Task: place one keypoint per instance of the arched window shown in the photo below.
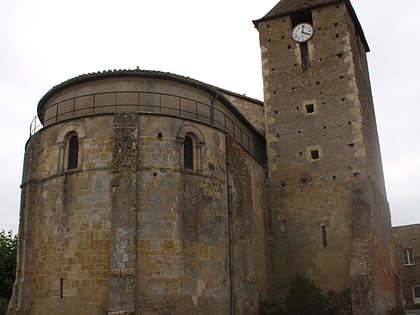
(188, 153)
(190, 145)
(70, 142)
(73, 152)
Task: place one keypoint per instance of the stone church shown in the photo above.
(152, 193)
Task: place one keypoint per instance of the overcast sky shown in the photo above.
(45, 42)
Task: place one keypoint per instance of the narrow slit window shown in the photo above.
(73, 153)
(408, 256)
(324, 236)
(61, 288)
(304, 53)
(188, 153)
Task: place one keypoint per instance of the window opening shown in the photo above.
(310, 108)
(304, 53)
(73, 152)
(188, 153)
(61, 288)
(301, 17)
(416, 294)
(324, 236)
(315, 154)
(408, 256)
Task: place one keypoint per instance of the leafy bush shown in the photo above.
(339, 304)
(305, 298)
(8, 247)
(272, 308)
(3, 306)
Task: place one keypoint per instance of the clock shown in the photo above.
(302, 32)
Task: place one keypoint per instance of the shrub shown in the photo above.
(3, 306)
(272, 308)
(8, 247)
(305, 298)
(339, 304)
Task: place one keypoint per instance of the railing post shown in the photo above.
(212, 112)
(56, 112)
(115, 101)
(94, 103)
(74, 106)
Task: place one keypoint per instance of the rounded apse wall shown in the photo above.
(129, 195)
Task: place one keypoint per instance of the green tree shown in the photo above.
(8, 248)
(305, 298)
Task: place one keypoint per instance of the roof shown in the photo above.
(286, 7)
(212, 90)
(406, 227)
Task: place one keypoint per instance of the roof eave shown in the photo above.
(352, 12)
(270, 16)
(149, 74)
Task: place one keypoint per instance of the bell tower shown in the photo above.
(327, 215)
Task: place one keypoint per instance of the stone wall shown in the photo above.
(130, 229)
(407, 239)
(322, 150)
(143, 223)
(253, 110)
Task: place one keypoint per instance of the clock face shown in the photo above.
(302, 32)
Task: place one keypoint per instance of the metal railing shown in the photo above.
(213, 114)
(35, 125)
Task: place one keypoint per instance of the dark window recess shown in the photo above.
(188, 153)
(315, 154)
(302, 16)
(61, 288)
(324, 236)
(310, 108)
(304, 53)
(73, 152)
(416, 291)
